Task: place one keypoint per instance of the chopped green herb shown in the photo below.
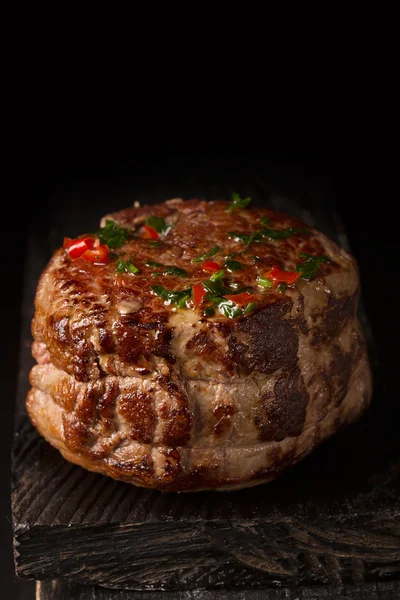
(246, 288)
(215, 287)
(308, 269)
(229, 309)
(249, 308)
(156, 274)
(159, 224)
(113, 234)
(281, 234)
(175, 271)
(282, 287)
(154, 243)
(238, 202)
(214, 250)
(124, 266)
(209, 311)
(265, 220)
(263, 282)
(246, 238)
(218, 276)
(153, 263)
(319, 258)
(167, 269)
(179, 298)
(233, 265)
(272, 234)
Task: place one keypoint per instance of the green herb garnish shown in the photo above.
(153, 263)
(265, 220)
(214, 250)
(113, 234)
(249, 308)
(218, 276)
(229, 309)
(209, 311)
(233, 265)
(272, 234)
(159, 224)
(309, 268)
(246, 238)
(281, 234)
(167, 269)
(263, 282)
(175, 271)
(125, 266)
(282, 287)
(238, 202)
(179, 298)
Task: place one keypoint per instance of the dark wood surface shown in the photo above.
(57, 590)
(332, 519)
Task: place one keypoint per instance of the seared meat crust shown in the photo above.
(136, 388)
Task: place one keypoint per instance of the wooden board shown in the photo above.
(388, 590)
(332, 519)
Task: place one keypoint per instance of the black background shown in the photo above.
(55, 155)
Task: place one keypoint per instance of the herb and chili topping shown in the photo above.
(113, 235)
(178, 298)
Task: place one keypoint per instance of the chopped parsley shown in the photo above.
(282, 287)
(153, 263)
(271, 234)
(309, 268)
(159, 225)
(178, 298)
(233, 265)
(218, 276)
(209, 311)
(265, 220)
(175, 271)
(214, 250)
(249, 308)
(125, 266)
(264, 282)
(113, 235)
(167, 269)
(238, 202)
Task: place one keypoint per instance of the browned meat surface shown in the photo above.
(144, 386)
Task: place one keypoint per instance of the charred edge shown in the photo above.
(267, 341)
(339, 312)
(283, 415)
(178, 418)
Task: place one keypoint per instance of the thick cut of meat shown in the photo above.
(137, 380)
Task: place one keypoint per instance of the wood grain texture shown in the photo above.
(58, 590)
(331, 520)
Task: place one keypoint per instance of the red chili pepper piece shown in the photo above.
(198, 293)
(243, 298)
(99, 254)
(279, 276)
(148, 233)
(211, 266)
(76, 247)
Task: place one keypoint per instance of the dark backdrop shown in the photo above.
(49, 163)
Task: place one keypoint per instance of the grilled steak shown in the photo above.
(194, 345)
